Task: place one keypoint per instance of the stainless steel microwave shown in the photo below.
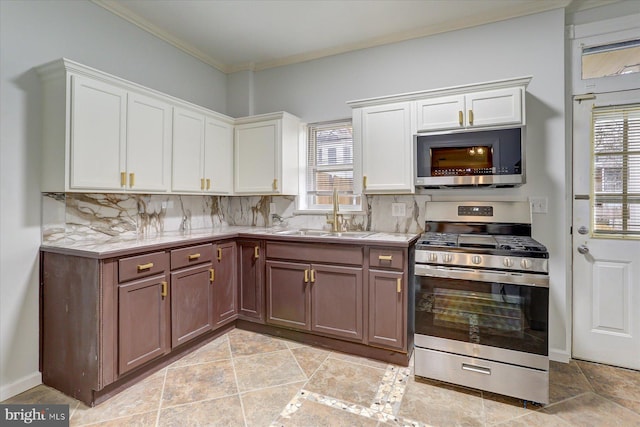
(478, 158)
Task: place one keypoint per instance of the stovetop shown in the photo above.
(507, 245)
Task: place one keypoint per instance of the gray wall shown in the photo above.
(32, 33)
(533, 45)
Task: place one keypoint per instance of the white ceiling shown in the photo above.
(234, 35)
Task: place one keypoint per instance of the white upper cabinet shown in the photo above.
(383, 135)
(489, 108)
(218, 156)
(266, 154)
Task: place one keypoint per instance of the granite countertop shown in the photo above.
(118, 246)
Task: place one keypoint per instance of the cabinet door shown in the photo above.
(336, 301)
(387, 141)
(188, 140)
(98, 132)
(143, 316)
(288, 296)
(494, 107)
(191, 294)
(386, 309)
(441, 113)
(250, 281)
(225, 292)
(257, 157)
(218, 156)
(148, 143)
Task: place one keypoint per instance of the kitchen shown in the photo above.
(504, 49)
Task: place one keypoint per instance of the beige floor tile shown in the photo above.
(591, 409)
(266, 370)
(309, 358)
(346, 381)
(263, 406)
(534, 419)
(217, 349)
(42, 394)
(244, 343)
(629, 404)
(566, 380)
(223, 412)
(147, 419)
(612, 381)
(499, 408)
(315, 414)
(359, 360)
(140, 398)
(199, 382)
(439, 404)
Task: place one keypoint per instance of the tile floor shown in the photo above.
(248, 379)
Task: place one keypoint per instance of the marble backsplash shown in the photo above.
(78, 216)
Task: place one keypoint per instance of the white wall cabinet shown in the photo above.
(202, 153)
(266, 154)
(476, 109)
(383, 136)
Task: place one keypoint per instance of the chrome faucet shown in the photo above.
(335, 219)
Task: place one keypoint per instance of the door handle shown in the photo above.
(212, 275)
(313, 276)
(583, 230)
(256, 252)
(306, 276)
(219, 254)
(583, 249)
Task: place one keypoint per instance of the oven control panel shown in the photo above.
(475, 210)
(470, 260)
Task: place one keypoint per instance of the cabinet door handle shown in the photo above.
(132, 179)
(123, 179)
(163, 292)
(460, 117)
(145, 266)
(212, 275)
(202, 183)
(385, 257)
(208, 184)
(193, 257)
(306, 276)
(219, 254)
(275, 184)
(313, 276)
(364, 182)
(256, 252)
(399, 285)
(471, 117)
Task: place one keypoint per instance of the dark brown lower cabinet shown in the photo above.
(191, 296)
(250, 280)
(225, 295)
(143, 321)
(387, 313)
(288, 294)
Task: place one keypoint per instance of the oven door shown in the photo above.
(476, 309)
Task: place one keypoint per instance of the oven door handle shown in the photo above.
(526, 279)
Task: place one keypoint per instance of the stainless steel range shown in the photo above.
(482, 299)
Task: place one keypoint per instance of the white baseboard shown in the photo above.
(23, 384)
(559, 355)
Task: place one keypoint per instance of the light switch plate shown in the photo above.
(398, 209)
(538, 204)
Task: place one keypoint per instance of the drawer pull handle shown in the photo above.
(364, 182)
(306, 276)
(313, 276)
(123, 179)
(208, 184)
(219, 254)
(399, 285)
(275, 184)
(202, 183)
(385, 257)
(193, 257)
(163, 292)
(145, 266)
(460, 118)
(471, 117)
(256, 252)
(132, 180)
(477, 369)
(212, 275)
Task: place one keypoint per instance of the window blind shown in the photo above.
(616, 171)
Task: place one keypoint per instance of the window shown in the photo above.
(611, 59)
(329, 166)
(616, 171)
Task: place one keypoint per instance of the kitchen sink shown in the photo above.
(323, 233)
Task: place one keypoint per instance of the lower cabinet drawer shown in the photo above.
(140, 266)
(386, 258)
(328, 254)
(193, 255)
(516, 381)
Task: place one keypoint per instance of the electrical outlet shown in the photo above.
(272, 208)
(398, 209)
(538, 204)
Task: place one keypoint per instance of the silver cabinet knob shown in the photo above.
(525, 263)
(476, 259)
(583, 249)
(507, 262)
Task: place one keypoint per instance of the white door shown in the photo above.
(188, 140)
(606, 267)
(218, 156)
(446, 112)
(494, 107)
(256, 157)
